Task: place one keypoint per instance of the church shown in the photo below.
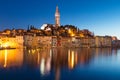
(49, 27)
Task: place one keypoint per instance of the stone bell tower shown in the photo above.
(57, 17)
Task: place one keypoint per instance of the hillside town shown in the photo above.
(55, 35)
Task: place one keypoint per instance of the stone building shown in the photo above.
(54, 41)
(66, 42)
(103, 41)
(116, 43)
(11, 42)
(85, 42)
(33, 41)
(77, 42)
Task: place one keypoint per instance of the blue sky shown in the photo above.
(99, 16)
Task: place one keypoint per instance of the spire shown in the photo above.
(57, 11)
(57, 17)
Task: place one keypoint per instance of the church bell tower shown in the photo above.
(57, 17)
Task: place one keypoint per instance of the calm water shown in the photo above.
(60, 64)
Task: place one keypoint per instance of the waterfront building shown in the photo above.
(103, 41)
(44, 41)
(114, 38)
(66, 41)
(33, 41)
(28, 40)
(11, 42)
(54, 41)
(77, 42)
(116, 43)
(85, 42)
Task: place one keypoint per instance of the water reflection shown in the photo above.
(52, 60)
(58, 58)
(11, 58)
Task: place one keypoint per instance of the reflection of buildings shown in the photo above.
(53, 60)
(56, 58)
(11, 58)
(38, 58)
(103, 51)
(50, 58)
(72, 59)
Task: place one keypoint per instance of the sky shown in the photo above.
(99, 16)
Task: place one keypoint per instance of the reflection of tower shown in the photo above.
(57, 74)
(5, 64)
(57, 17)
